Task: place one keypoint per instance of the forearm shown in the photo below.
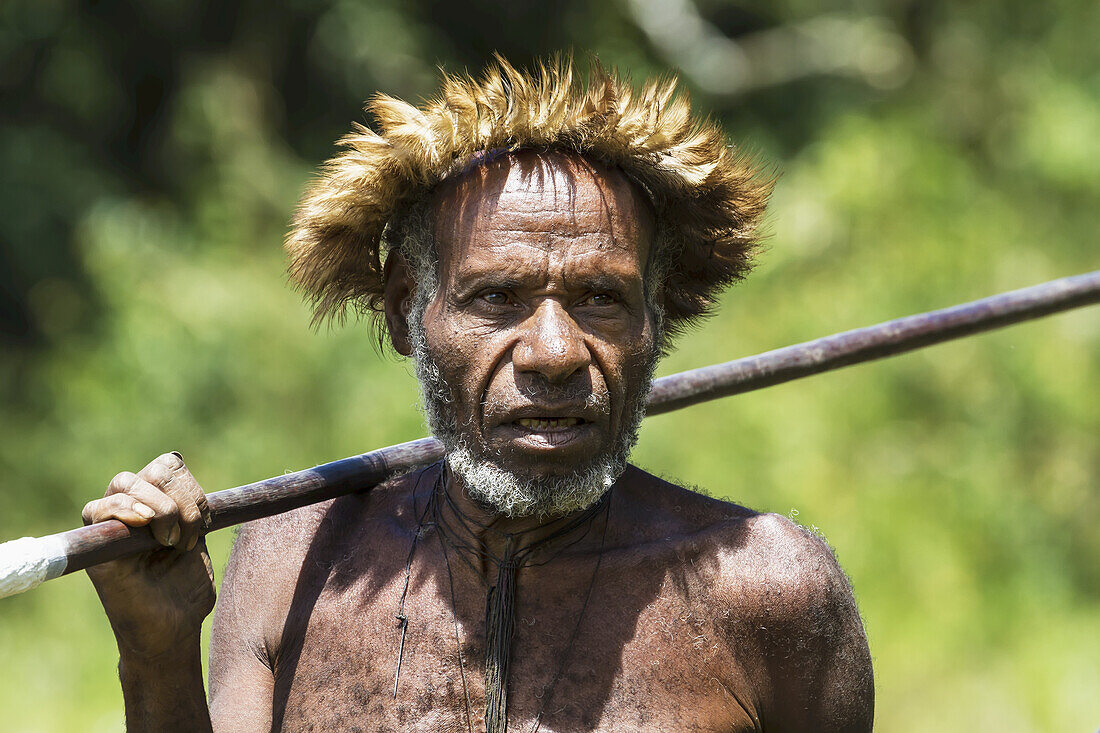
(165, 694)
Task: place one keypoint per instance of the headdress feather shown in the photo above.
(709, 198)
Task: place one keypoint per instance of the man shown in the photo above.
(542, 242)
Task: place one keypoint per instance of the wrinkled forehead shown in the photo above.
(563, 194)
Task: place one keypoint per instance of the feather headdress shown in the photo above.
(708, 199)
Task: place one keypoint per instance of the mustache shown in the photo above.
(578, 400)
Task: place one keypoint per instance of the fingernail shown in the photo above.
(143, 510)
(192, 542)
(174, 535)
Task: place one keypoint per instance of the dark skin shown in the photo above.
(703, 615)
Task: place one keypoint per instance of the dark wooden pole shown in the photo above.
(78, 549)
(870, 343)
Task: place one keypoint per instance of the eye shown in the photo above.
(496, 297)
(600, 299)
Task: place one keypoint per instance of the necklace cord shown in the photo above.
(577, 627)
(458, 639)
(458, 531)
(402, 619)
(460, 536)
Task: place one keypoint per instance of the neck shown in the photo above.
(504, 545)
(497, 534)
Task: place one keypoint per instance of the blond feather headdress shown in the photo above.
(707, 197)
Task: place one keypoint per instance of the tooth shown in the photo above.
(547, 423)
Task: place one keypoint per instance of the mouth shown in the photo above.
(548, 423)
(548, 432)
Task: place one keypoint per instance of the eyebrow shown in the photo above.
(471, 283)
(602, 282)
(469, 277)
(606, 281)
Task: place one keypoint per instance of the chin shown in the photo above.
(546, 466)
(516, 494)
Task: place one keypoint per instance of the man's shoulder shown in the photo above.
(661, 511)
(784, 571)
(275, 558)
(286, 537)
(779, 585)
(749, 557)
(775, 597)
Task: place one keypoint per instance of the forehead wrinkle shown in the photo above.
(523, 213)
(513, 196)
(527, 211)
(560, 267)
(554, 249)
(554, 177)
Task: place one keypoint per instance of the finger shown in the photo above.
(170, 473)
(123, 507)
(165, 520)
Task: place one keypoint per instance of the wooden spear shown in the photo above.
(29, 561)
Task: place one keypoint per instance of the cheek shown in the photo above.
(466, 356)
(626, 369)
(616, 368)
(452, 360)
(630, 349)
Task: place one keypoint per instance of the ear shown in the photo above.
(398, 287)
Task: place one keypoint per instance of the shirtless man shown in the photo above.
(532, 579)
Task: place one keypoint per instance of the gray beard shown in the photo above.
(505, 492)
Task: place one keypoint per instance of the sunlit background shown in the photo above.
(930, 152)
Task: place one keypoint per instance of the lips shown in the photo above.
(539, 435)
(549, 429)
(548, 415)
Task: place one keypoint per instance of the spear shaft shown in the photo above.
(29, 561)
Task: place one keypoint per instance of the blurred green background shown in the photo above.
(930, 152)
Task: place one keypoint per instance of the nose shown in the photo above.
(551, 344)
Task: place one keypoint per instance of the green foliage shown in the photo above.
(152, 157)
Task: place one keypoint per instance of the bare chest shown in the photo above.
(636, 656)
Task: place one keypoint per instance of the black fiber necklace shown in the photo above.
(459, 532)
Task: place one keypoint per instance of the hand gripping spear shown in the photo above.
(29, 561)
